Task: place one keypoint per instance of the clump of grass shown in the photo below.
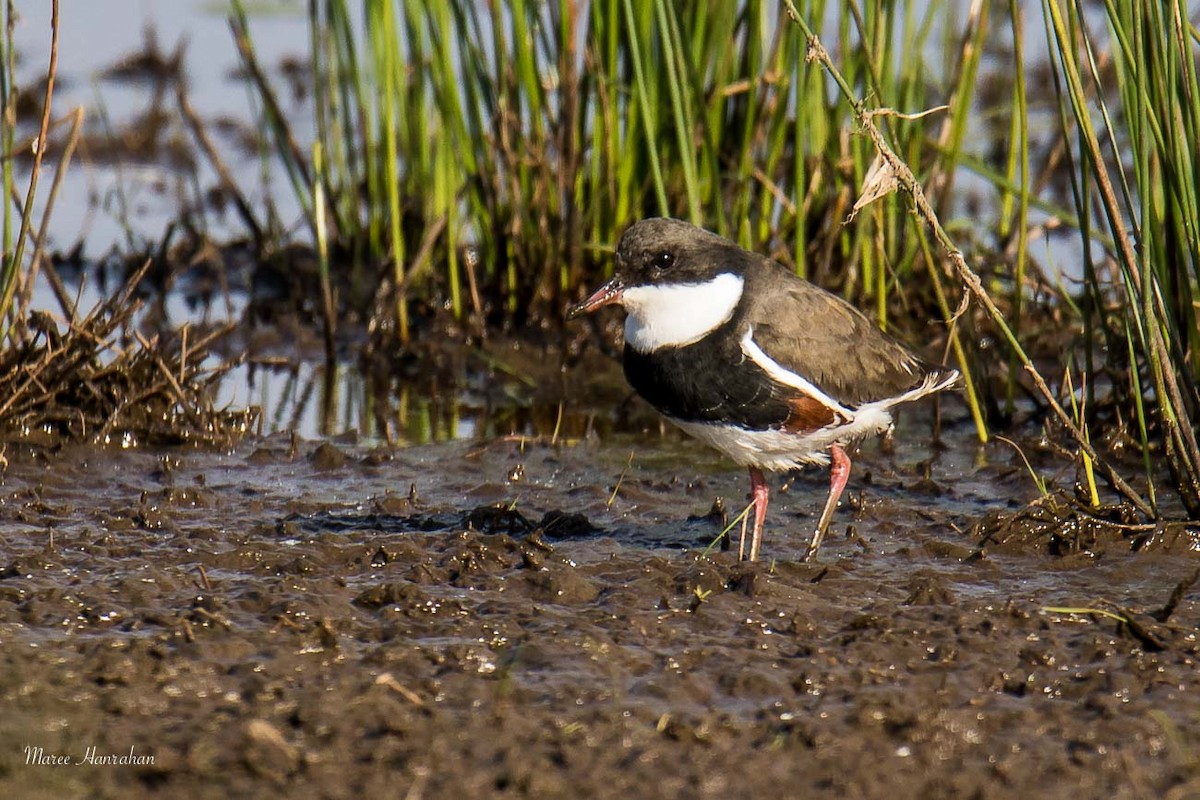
(80, 377)
(1136, 152)
(87, 382)
(484, 155)
(1149, 309)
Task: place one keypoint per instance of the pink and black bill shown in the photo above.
(607, 294)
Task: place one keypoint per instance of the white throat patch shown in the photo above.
(678, 314)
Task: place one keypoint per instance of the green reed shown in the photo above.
(1015, 221)
(1134, 135)
(486, 154)
(1141, 297)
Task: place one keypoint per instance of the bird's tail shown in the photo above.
(935, 380)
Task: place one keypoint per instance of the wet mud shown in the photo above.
(524, 618)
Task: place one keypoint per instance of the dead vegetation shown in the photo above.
(1058, 524)
(97, 379)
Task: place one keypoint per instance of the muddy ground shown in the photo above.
(290, 620)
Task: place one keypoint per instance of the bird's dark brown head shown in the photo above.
(666, 251)
(661, 252)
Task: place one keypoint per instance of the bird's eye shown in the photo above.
(663, 261)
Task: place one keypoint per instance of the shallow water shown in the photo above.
(133, 197)
(292, 619)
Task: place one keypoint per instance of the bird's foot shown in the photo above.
(810, 554)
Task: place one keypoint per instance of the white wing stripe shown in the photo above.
(789, 378)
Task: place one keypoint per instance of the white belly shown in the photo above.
(777, 450)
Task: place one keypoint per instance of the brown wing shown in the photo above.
(829, 342)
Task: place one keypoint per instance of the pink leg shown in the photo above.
(742, 538)
(760, 493)
(839, 473)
